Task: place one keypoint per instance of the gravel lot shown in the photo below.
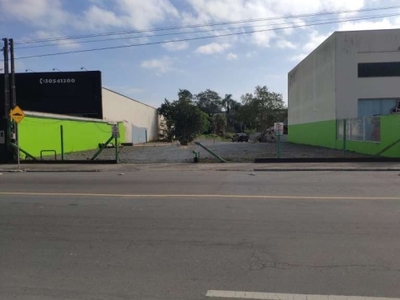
(231, 152)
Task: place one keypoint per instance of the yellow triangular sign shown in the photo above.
(17, 114)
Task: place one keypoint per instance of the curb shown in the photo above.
(329, 170)
(217, 170)
(49, 171)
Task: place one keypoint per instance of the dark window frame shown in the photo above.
(386, 69)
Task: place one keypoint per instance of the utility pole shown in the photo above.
(6, 81)
(13, 91)
(13, 100)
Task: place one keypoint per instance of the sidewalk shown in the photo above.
(239, 167)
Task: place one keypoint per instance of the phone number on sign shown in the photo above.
(55, 81)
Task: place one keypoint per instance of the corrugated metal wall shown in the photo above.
(139, 135)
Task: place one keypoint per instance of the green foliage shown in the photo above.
(214, 137)
(209, 102)
(229, 135)
(183, 119)
(261, 109)
(231, 108)
(219, 123)
(250, 131)
(185, 95)
(206, 112)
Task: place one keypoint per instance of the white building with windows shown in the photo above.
(350, 75)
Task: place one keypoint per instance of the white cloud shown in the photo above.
(136, 14)
(64, 44)
(161, 66)
(263, 39)
(298, 57)
(314, 40)
(213, 48)
(101, 14)
(37, 13)
(96, 17)
(368, 25)
(232, 56)
(208, 11)
(144, 14)
(284, 44)
(176, 46)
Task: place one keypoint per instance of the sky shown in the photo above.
(257, 42)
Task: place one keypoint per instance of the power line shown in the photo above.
(196, 38)
(193, 32)
(202, 25)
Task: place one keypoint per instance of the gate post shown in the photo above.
(344, 136)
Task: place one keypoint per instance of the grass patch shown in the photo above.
(213, 137)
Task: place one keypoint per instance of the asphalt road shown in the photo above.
(177, 235)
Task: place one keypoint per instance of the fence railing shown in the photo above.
(367, 129)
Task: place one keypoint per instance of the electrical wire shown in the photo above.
(193, 39)
(202, 25)
(194, 32)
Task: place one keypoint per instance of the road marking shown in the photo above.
(262, 197)
(273, 296)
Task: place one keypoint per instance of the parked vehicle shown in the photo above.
(240, 137)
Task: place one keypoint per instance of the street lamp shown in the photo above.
(55, 69)
(29, 70)
(83, 68)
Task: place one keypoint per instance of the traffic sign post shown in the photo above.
(115, 131)
(17, 115)
(115, 134)
(18, 158)
(278, 130)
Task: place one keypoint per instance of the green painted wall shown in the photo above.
(40, 133)
(389, 135)
(317, 134)
(122, 132)
(324, 134)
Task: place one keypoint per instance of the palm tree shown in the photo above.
(227, 103)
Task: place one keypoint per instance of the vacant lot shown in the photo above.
(232, 152)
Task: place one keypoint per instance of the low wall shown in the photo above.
(390, 133)
(316, 134)
(324, 134)
(42, 132)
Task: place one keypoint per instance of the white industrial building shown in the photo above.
(350, 75)
(141, 121)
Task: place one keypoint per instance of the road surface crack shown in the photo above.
(261, 261)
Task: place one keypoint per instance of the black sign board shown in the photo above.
(66, 93)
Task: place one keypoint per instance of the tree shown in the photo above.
(183, 119)
(209, 102)
(261, 109)
(219, 123)
(185, 95)
(231, 107)
(227, 102)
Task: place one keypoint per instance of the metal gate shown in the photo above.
(139, 135)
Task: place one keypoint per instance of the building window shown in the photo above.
(387, 69)
(377, 107)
